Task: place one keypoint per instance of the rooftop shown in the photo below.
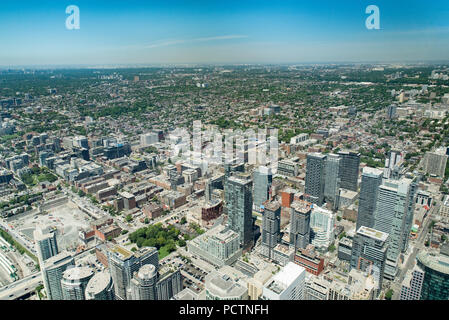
(98, 283)
(373, 233)
(432, 260)
(122, 252)
(288, 274)
(77, 273)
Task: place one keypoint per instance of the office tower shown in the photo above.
(143, 284)
(262, 182)
(169, 284)
(349, 170)
(393, 215)
(46, 244)
(52, 273)
(314, 186)
(219, 246)
(332, 178)
(322, 227)
(123, 263)
(371, 180)
(412, 284)
(300, 224)
(74, 282)
(239, 204)
(369, 252)
(394, 159)
(287, 284)
(391, 111)
(436, 275)
(271, 224)
(100, 287)
(434, 163)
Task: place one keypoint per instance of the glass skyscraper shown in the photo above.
(332, 178)
(349, 169)
(239, 204)
(314, 184)
(392, 215)
(371, 180)
(436, 275)
(262, 178)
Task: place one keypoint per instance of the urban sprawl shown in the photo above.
(104, 195)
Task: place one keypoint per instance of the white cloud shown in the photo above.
(169, 42)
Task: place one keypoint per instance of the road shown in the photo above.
(21, 287)
(418, 245)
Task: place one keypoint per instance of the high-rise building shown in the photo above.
(434, 163)
(219, 246)
(143, 284)
(271, 223)
(169, 284)
(332, 178)
(239, 204)
(100, 287)
(80, 142)
(436, 275)
(148, 284)
(287, 284)
(322, 227)
(262, 178)
(148, 139)
(371, 180)
(46, 244)
(300, 212)
(52, 273)
(412, 284)
(288, 168)
(391, 111)
(393, 160)
(123, 263)
(393, 215)
(314, 184)
(369, 252)
(349, 169)
(74, 282)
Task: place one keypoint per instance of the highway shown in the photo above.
(21, 287)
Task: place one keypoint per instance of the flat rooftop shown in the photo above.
(98, 283)
(124, 253)
(373, 233)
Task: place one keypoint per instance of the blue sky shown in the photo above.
(168, 31)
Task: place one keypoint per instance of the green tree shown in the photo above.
(389, 294)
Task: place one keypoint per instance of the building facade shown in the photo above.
(371, 181)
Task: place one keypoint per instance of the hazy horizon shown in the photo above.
(216, 33)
